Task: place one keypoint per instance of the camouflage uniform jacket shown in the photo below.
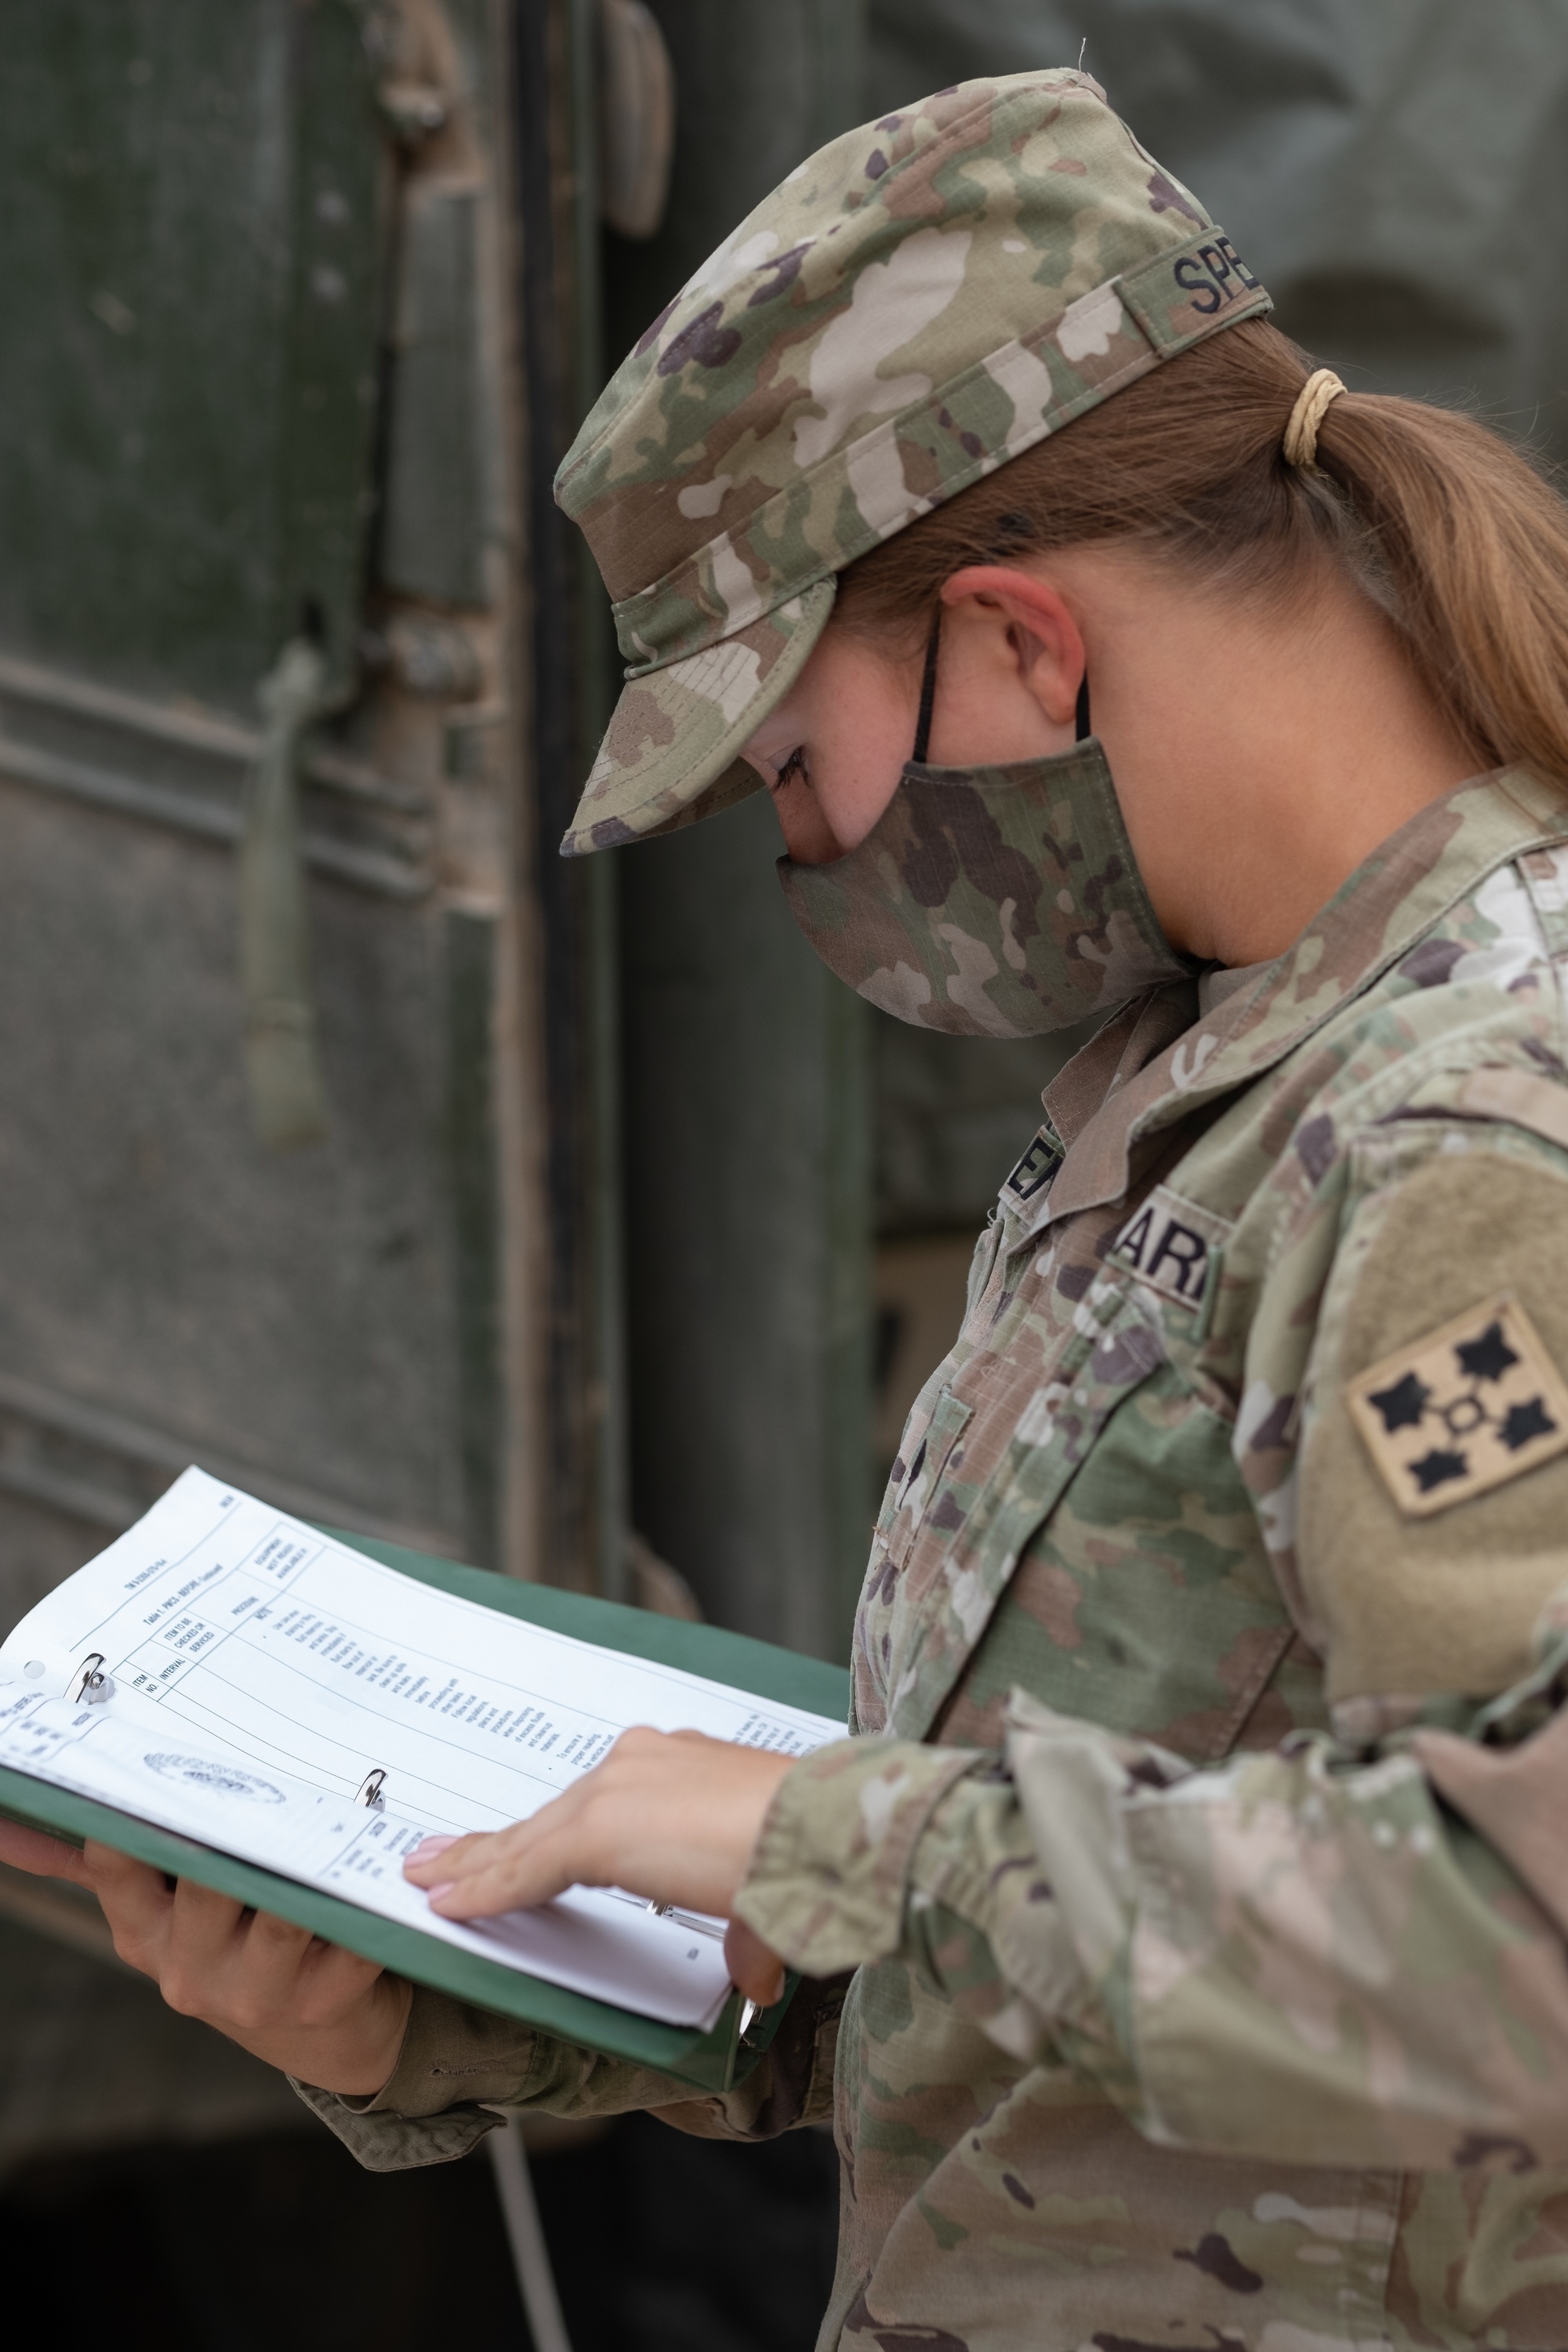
(1196, 1856)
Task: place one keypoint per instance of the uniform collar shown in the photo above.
(1154, 1064)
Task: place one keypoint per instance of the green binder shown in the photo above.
(712, 2061)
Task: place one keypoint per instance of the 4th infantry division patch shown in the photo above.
(1470, 1406)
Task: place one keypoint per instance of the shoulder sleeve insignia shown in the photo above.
(1471, 1405)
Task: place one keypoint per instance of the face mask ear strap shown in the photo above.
(928, 698)
(928, 694)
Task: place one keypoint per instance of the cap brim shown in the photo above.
(671, 752)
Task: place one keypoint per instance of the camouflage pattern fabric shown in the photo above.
(995, 902)
(1210, 1991)
(920, 302)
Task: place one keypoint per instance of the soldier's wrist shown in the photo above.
(451, 2053)
(827, 1885)
(364, 2055)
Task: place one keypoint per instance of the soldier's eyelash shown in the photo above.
(794, 765)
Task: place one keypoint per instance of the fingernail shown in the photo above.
(434, 1894)
(428, 1848)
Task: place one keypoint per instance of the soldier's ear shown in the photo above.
(1023, 624)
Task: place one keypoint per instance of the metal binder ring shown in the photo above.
(90, 1681)
(369, 1789)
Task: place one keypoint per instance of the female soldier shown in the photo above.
(1196, 1853)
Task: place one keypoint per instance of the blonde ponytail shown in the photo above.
(1449, 528)
(1474, 547)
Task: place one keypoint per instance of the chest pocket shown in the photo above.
(1029, 1431)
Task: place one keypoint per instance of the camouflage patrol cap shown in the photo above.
(917, 303)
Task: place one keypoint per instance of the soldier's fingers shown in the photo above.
(270, 1973)
(297, 1972)
(136, 1902)
(206, 1939)
(443, 1861)
(419, 1865)
(333, 1982)
(41, 1856)
(453, 1854)
(267, 1932)
(338, 1974)
(754, 1966)
(109, 1872)
(275, 1952)
(207, 1969)
(510, 1879)
(439, 1861)
(203, 1917)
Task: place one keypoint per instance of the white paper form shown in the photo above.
(259, 1671)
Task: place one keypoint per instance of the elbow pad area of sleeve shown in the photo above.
(1245, 1935)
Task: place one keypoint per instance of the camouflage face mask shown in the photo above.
(991, 902)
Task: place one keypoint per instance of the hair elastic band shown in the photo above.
(1301, 443)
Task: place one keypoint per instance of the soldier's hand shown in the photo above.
(315, 2010)
(40, 1855)
(671, 1815)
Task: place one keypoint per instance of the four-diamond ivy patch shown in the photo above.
(1469, 1407)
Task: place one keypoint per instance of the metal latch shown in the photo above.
(90, 1681)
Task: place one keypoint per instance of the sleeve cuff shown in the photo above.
(829, 1883)
(457, 2063)
(389, 2143)
(429, 2110)
(452, 2052)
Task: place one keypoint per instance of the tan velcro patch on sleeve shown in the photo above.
(1470, 1406)
(1409, 1602)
